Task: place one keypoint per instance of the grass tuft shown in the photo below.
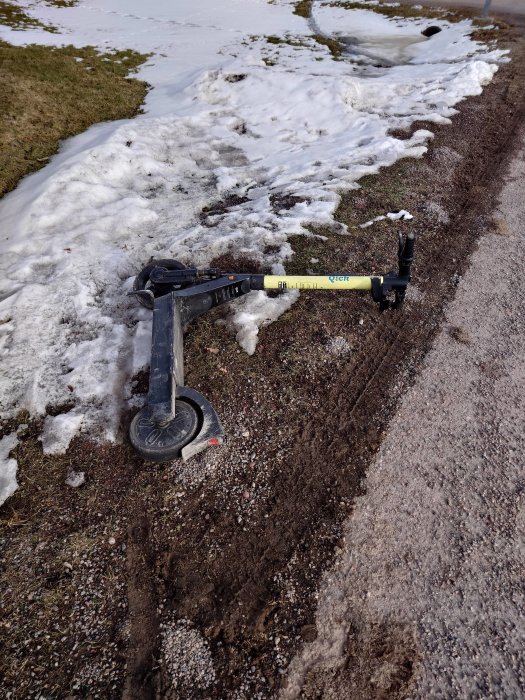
(335, 47)
(62, 3)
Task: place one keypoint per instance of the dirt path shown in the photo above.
(430, 577)
(200, 580)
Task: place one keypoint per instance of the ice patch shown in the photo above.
(8, 466)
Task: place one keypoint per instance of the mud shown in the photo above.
(234, 543)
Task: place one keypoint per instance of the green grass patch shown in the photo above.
(13, 16)
(48, 94)
(375, 197)
(308, 248)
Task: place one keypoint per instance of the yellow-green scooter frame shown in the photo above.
(328, 282)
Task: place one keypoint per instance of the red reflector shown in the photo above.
(214, 442)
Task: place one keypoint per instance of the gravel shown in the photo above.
(187, 656)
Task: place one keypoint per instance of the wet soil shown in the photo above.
(231, 546)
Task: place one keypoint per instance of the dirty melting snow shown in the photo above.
(229, 114)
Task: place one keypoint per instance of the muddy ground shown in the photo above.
(199, 580)
(433, 556)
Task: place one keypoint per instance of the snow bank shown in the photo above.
(281, 126)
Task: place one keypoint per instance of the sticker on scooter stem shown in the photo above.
(338, 278)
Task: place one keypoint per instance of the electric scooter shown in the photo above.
(177, 421)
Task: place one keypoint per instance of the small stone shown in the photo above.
(430, 31)
(75, 479)
(112, 540)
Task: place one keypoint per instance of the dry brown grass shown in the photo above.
(303, 8)
(48, 94)
(389, 11)
(335, 47)
(62, 3)
(417, 11)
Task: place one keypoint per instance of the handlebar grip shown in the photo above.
(406, 256)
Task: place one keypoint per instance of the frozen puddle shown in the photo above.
(381, 51)
(233, 116)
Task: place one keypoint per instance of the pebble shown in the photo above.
(75, 479)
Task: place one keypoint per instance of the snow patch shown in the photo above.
(59, 431)
(256, 310)
(8, 466)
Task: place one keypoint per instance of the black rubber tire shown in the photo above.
(142, 279)
(164, 444)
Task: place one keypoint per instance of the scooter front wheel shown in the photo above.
(164, 443)
(142, 280)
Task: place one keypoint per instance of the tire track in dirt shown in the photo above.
(142, 602)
